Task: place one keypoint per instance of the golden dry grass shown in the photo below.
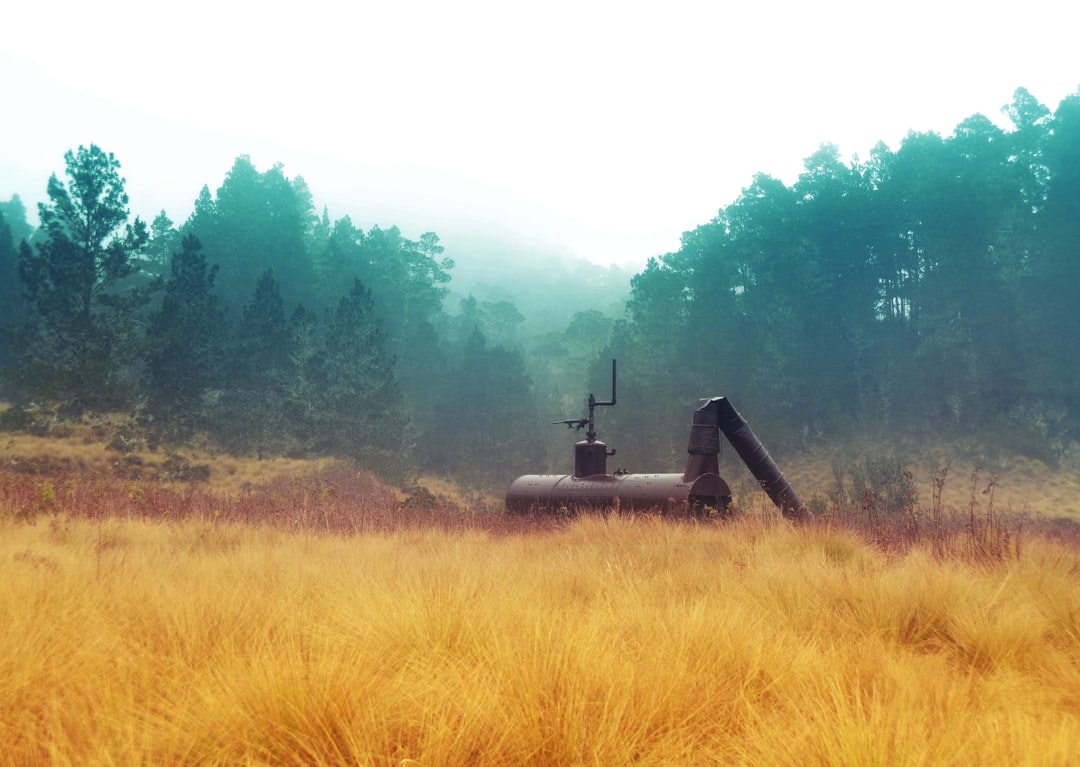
(605, 641)
(1022, 484)
(86, 448)
(138, 626)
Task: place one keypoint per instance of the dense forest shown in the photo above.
(927, 291)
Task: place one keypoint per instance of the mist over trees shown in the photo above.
(12, 310)
(260, 327)
(927, 291)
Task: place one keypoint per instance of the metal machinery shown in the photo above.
(699, 489)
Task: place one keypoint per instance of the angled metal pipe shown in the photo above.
(757, 458)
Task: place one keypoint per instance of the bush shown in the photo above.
(878, 481)
(13, 419)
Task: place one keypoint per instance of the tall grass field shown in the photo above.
(324, 620)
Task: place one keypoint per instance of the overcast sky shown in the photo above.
(598, 129)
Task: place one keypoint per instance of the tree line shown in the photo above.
(930, 290)
(257, 324)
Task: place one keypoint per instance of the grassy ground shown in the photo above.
(604, 641)
(279, 612)
(1021, 484)
(100, 448)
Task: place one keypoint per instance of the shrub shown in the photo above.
(878, 481)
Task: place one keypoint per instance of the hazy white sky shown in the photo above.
(601, 129)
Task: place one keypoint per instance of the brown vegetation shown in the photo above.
(319, 617)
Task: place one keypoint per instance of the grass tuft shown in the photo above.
(319, 617)
(609, 640)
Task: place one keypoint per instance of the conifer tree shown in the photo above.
(184, 339)
(361, 410)
(249, 412)
(82, 341)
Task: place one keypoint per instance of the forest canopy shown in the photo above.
(930, 290)
(926, 290)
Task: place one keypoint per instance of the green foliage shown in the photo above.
(12, 312)
(164, 241)
(1038, 429)
(14, 214)
(359, 410)
(257, 221)
(933, 286)
(185, 340)
(82, 340)
(407, 282)
(14, 419)
(291, 387)
(248, 410)
(484, 433)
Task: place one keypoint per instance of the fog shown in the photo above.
(601, 131)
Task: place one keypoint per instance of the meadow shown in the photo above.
(320, 618)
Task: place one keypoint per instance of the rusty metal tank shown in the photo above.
(699, 489)
(623, 491)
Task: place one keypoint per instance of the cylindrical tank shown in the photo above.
(668, 492)
(699, 488)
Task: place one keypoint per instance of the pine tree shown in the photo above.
(361, 408)
(82, 342)
(249, 413)
(185, 339)
(11, 307)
